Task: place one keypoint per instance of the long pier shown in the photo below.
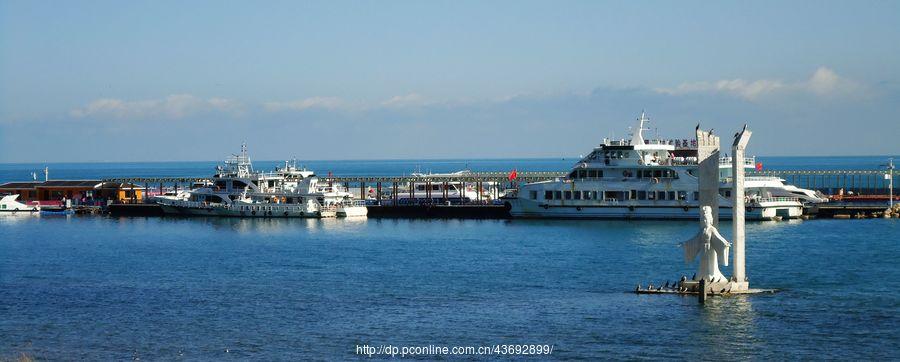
(826, 181)
(830, 181)
(859, 182)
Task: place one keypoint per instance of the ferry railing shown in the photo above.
(753, 178)
(776, 199)
(728, 160)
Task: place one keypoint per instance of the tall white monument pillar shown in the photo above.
(708, 171)
(739, 278)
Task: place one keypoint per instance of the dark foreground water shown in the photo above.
(102, 288)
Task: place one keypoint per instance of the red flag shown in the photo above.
(759, 166)
(513, 175)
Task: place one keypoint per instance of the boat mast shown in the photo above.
(637, 137)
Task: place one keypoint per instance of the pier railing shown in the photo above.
(831, 182)
(864, 182)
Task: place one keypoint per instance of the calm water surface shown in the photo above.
(81, 171)
(104, 288)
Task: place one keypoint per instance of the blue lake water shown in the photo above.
(104, 288)
(100, 288)
(23, 171)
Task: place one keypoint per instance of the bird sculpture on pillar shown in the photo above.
(710, 246)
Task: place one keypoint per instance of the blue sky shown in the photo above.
(161, 80)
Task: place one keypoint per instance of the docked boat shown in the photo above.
(643, 178)
(9, 203)
(775, 186)
(237, 190)
(428, 192)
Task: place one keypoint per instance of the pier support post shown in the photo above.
(478, 191)
(362, 190)
(394, 194)
(701, 291)
(378, 193)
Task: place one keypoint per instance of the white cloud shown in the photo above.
(175, 106)
(333, 103)
(408, 100)
(823, 82)
(738, 87)
(304, 104)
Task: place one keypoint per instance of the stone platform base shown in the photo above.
(692, 287)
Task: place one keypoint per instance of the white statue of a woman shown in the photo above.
(711, 247)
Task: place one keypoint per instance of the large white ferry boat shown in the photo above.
(237, 190)
(648, 179)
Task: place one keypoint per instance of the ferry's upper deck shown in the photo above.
(639, 151)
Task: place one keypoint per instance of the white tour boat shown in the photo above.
(8, 203)
(642, 179)
(438, 192)
(237, 190)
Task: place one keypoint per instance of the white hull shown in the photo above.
(187, 208)
(352, 211)
(9, 203)
(530, 209)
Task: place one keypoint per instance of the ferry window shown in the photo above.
(548, 195)
(642, 195)
(632, 194)
(557, 195)
(682, 195)
(661, 195)
(592, 173)
(533, 195)
(577, 195)
(696, 196)
(651, 195)
(599, 173)
(727, 193)
(568, 195)
(671, 195)
(657, 173)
